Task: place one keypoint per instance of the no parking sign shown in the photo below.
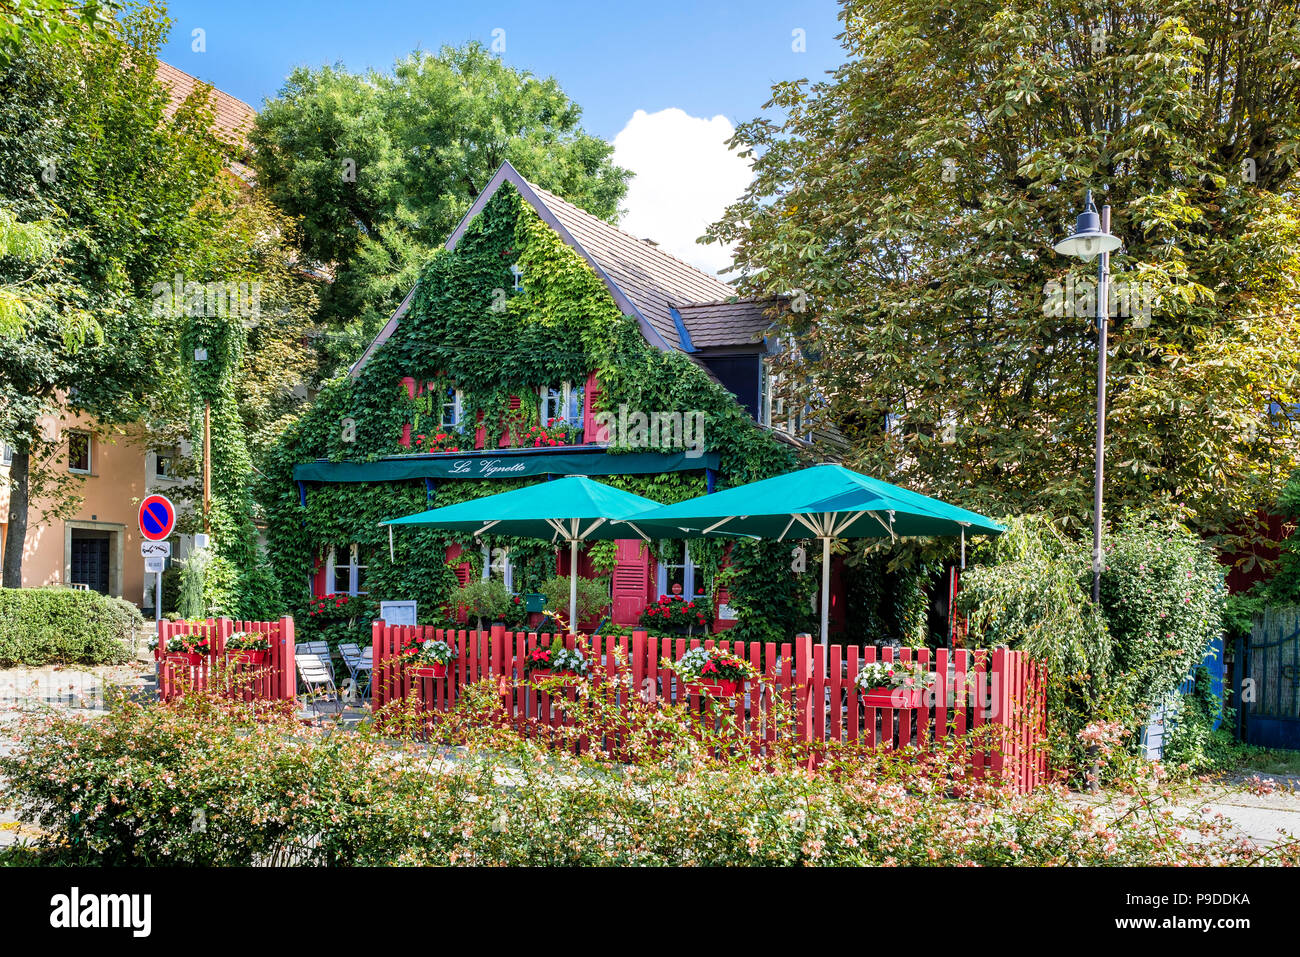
(157, 517)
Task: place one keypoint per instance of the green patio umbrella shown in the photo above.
(572, 509)
(824, 502)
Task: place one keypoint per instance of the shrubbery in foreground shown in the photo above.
(208, 782)
(42, 625)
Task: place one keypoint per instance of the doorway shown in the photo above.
(89, 560)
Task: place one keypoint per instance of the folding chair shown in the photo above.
(357, 661)
(319, 648)
(318, 680)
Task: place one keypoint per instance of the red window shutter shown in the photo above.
(631, 580)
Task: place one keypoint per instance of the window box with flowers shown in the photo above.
(186, 649)
(248, 648)
(712, 672)
(557, 660)
(893, 684)
(428, 659)
(555, 433)
(440, 442)
(675, 615)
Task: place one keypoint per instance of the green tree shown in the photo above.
(87, 144)
(910, 201)
(381, 166)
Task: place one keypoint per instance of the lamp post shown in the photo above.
(201, 355)
(1092, 239)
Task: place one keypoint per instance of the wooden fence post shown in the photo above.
(802, 680)
(289, 668)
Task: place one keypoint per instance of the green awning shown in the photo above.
(504, 464)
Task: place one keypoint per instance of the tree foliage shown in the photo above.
(381, 166)
(911, 200)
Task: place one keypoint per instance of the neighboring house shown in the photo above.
(98, 547)
(676, 308)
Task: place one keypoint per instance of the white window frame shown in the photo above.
(566, 393)
(159, 457)
(353, 567)
(765, 384)
(90, 452)
(6, 454)
(454, 405)
(517, 272)
(507, 566)
(688, 574)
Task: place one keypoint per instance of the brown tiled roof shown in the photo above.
(653, 279)
(232, 121)
(728, 322)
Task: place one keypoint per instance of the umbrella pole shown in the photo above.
(573, 586)
(826, 590)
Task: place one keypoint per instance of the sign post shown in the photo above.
(157, 519)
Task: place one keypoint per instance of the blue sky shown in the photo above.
(665, 81)
(611, 57)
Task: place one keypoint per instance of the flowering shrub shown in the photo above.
(332, 607)
(556, 658)
(248, 641)
(203, 783)
(711, 664)
(673, 612)
(893, 674)
(423, 652)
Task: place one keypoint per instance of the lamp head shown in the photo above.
(1089, 240)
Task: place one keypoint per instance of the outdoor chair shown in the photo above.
(358, 661)
(319, 648)
(319, 681)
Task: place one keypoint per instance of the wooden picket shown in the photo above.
(275, 681)
(971, 690)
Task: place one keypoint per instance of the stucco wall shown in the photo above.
(109, 497)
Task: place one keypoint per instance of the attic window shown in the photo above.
(517, 271)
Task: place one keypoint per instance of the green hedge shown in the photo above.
(43, 625)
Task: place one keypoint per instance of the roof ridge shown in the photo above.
(654, 245)
(215, 88)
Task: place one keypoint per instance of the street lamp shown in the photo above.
(201, 355)
(1091, 240)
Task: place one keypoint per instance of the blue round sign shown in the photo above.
(157, 518)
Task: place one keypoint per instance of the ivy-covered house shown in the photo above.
(541, 341)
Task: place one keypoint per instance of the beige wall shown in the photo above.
(109, 499)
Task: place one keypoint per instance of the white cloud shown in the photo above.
(685, 177)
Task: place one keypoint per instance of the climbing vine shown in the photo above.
(470, 329)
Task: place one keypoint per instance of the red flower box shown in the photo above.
(430, 671)
(893, 698)
(721, 688)
(254, 658)
(190, 658)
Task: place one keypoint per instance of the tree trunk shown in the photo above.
(16, 532)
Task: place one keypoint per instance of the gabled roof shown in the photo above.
(232, 121)
(645, 282)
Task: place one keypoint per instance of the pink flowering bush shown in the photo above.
(209, 782)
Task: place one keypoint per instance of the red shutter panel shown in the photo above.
(631, 580)
(590, 405)
(507, 437)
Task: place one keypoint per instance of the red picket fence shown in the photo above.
(971, 690)
(275, 681)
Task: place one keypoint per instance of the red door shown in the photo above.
(631, 581)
